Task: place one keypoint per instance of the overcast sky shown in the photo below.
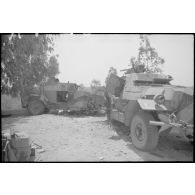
(86, 57)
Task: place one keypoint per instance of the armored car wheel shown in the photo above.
(36, 107)
(143, 135)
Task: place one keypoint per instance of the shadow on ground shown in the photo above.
(171, 147)
(9, 118)
(19, 112)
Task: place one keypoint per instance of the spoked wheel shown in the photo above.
(143, 135)
(36, 107)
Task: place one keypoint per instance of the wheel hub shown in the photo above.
(139, 132)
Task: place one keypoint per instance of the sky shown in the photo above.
(83, 58)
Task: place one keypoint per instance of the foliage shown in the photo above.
(81, 86)
(147, 59)
(95, 84)
(26, 60)
(53, 66)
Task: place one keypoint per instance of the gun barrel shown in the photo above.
(159, 123)
(125, 69)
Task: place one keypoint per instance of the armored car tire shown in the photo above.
(143, 135)
(36, 107)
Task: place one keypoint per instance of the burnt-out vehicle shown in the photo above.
(148, 104)
(56, 95)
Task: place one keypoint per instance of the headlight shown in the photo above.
(159, 99)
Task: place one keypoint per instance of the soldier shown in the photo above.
(107, 105)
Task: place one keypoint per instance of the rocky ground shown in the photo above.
(91, 138)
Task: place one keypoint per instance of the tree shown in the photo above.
(81, 87)
(25, 61)
(53, 66)
(95, 84)
(147, 59)
(111, 70)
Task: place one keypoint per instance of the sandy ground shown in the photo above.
(88, 138)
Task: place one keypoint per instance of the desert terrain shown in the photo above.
(90, 139)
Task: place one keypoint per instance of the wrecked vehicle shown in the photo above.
(56, 95)
(148, 104)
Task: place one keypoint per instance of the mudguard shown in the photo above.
(130, 109)
(27, 98)
(37, 97)
(150, 105)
